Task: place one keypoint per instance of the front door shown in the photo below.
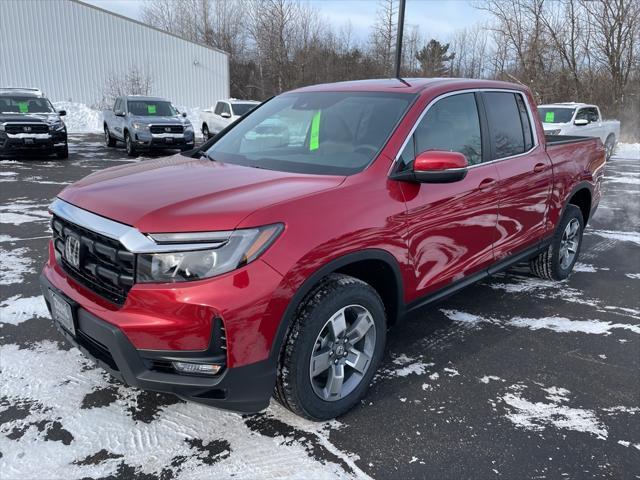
(450, 227)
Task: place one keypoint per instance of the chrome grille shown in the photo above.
(105, 266)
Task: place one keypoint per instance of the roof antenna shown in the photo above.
(399, 41)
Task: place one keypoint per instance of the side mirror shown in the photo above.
(184, 114)
(62, 113)
(436, 166)
(225, 115)
(581, 122)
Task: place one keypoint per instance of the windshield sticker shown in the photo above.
(549, 117)
(24, 107)
(151, 109)
(314, 140)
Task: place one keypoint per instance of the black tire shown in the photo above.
(186, 148)
(549, 264)
(131, 149)
(205, 132)
(63, 153)
(610, 146)
(294, 388)
(108, 139)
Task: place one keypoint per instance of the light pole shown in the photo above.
(399, 37)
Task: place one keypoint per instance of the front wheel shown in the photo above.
(557, 261)
(333, 348)
(108, 139)
(205, 132)
(131, 149)
(63, 153)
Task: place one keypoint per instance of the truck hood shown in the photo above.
(158, 120)
(181, 194)
(29, 117)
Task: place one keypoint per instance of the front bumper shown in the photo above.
(245, 389)
(38, 142)
(163, 140)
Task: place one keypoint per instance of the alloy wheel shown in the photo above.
(342, 353)
(569, 243)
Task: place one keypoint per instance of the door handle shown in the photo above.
(486, 183)
(540, 167)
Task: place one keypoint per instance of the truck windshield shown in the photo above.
(17, 104)
(332, 133)
(555, 114)
(243, 108)
(148, 108)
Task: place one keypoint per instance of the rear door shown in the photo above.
(450, 226)
(524, 171)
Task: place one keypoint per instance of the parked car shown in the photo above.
(579, 119)
(145, 123)
(214, 119)
(29, 123)
(250, 265)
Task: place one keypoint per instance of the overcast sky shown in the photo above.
(437, 18)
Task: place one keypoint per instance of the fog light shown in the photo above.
(199, 368)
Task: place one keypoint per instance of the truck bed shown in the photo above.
(562, 139)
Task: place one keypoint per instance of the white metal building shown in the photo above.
(69, 49)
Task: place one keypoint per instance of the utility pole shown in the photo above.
(399, 37)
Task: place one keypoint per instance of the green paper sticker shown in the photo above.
(24, 107)
(549, 117)
(151, 109)
(314, 140)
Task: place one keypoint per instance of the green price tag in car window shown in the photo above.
(151, 109)
(314, 138)
(549, 117)
(24, 107)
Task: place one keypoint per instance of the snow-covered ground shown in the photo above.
(83, 119)
(517, 377)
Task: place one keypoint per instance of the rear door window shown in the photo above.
(451, 124)
(505, 124)
(526, 123)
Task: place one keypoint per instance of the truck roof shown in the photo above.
(407, 85)
(27, 92)
(567, 105)
(146, 98)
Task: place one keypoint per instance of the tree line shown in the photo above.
(564, 50)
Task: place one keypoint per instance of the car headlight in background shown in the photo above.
(188, 127)
(59, 125)
(141, 127)
(239, 248)
(1, 127)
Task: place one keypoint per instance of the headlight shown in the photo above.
(1, 127)
(239, 248)
(142, 127)
(188, 127)
(59, 125)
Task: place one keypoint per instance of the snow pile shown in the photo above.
(628, 150)
(564, 325)
(193, 115)
(80, 118)
(17, 309)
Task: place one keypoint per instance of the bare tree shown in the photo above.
(383, 36)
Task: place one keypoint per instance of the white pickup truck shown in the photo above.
(214, 119)
(581, 119)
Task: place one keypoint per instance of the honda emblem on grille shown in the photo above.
(72, 251)
(167, 129)
(26, 129)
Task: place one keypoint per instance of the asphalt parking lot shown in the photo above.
(515, 377)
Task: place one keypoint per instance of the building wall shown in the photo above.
(68, 49)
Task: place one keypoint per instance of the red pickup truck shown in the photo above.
(272, 260)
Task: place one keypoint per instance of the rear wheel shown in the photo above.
(610, 146)
(333, 348)
(557, 261)
(131, 149)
